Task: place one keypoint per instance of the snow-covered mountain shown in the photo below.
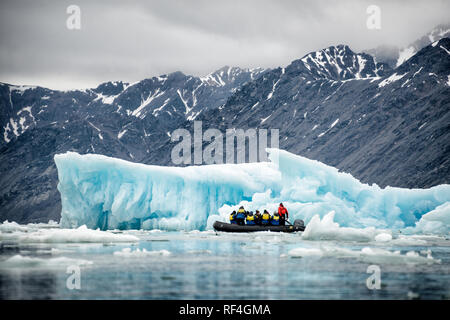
(171, 98)
(385, 126)
(339, 63)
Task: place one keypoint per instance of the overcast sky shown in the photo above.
(134, 40)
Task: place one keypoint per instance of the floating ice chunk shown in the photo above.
(412, 295)
(367, 254)
(55, 251)
(128, 253)
(10, 227)
(155, 231)
(327, 229)
(7, 226)
(407, 241)
(306, 252)
(435, 221)
(19, 261)
(375, 255)
(79, 235)
(199, 251)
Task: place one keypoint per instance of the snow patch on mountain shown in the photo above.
(390, 79)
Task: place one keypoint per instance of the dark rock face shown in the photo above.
(382, 125)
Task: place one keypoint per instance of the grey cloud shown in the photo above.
(132, 40)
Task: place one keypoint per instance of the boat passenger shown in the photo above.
(250, 219)
(233, 217)
(240, 216)
(275, 219)
(257, 217)
(265, 218)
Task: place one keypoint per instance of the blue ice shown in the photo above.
(107, 193)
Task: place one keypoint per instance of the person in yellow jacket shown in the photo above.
(250, 219)
(275, 219)
(233, 217)
(240, 216)
(265, 218)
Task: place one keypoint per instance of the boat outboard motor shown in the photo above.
(298, 223)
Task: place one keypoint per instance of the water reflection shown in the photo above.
(19, 285)
(212, 268)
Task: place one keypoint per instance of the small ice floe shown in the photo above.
(8, 227)
(307, 252)
(55, 251)
(128, 253)
(367, 254)
(327, 229)
(403, 240)
(154, 231)
(79, 235)
(19, 261)
(412, 295)
(199, 252)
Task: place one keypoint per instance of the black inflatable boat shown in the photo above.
(228, 227)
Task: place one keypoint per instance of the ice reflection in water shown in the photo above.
(206, 265)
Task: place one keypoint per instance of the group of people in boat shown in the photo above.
(242, 217)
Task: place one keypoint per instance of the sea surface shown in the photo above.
(213, 265)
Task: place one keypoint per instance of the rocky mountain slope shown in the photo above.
(389, 127)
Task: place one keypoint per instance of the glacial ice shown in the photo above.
(19, 261)
(138, 253)
(107, 193)
(367, 254)
(34, 234)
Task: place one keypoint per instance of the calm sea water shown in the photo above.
(209, 265)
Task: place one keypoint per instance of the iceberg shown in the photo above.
(107, 193)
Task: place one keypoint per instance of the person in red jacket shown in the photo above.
(284, 214)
